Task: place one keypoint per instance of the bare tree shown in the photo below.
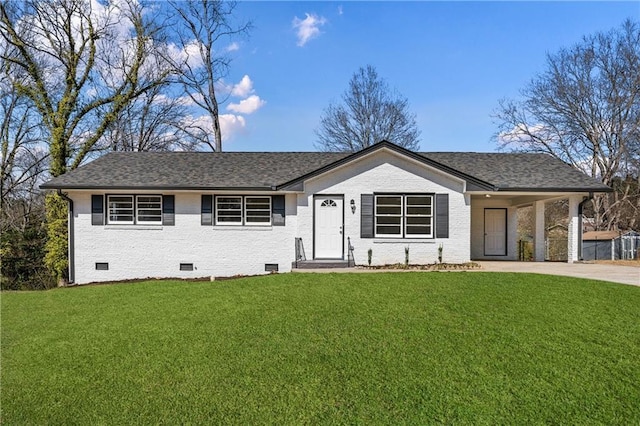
(208, 26)
(81, 64)
(585, 110)
(152, 122)
(23, 165)
(24, 157)
(369, 113)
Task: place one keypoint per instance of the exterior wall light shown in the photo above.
(353, 206)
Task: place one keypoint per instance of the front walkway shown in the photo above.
(596, 271)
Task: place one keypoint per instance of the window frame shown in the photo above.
(135, 210)
(217, 209)
(406, 215)
(376, 215)
(246, 210)
(243, 211)
(403, 234)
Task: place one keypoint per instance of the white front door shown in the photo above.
(329, 214)
(495, 232)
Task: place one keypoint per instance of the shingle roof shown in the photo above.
(193, 170)
(266, 170)
(514, 171)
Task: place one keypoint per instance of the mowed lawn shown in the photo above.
(417, 348)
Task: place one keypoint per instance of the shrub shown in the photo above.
(22, 255)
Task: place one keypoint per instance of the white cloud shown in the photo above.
(340, 12)
(233, 47)
(230, 125)
(247, 106)
(244, 88)
(522, 134)
(308, 28)
(190, 54)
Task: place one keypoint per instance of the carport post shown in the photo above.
(538, 238)
(574, 229)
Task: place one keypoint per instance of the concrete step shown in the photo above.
(320, 264)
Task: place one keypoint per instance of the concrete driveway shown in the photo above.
(596, 271)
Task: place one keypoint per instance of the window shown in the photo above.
(404, 216)
(389, 215)
(149, 209)
(229, 210)
(418, 214)
(120, 209)
(237, 210)
(134, 209)
(257, 210)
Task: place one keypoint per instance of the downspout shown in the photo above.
(70, 236)
(580, 209)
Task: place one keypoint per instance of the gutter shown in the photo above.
(580, 209)
(70, 236)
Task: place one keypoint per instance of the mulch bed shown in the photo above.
(427, 267)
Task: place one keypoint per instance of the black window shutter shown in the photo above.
(366, 216)
(168, 210)
(442, 215)
(207, 210)
(97, 209)
(277, 210)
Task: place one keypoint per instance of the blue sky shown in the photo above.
(452, 60)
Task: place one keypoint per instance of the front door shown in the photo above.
(328, 224)
(495, 232)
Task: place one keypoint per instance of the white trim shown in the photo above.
(114, 227)
(400, 225)
(137, 211)
(403, 216)
(246, 216)
(217, 210)
(242, 199)
(109, 214)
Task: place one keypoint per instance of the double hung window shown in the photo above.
(229, 210)
(404, 215)
(120, 209)
(149, 209)
(257, 210)
(243, 210)
(134, 209)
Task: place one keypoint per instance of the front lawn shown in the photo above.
(329, 348)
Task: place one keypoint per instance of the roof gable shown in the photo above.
(385, 145)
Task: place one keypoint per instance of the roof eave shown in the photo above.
(158, 188)
(553, 189)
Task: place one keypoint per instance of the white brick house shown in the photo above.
(138, 215)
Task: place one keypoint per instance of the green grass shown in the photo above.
(305, 348)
